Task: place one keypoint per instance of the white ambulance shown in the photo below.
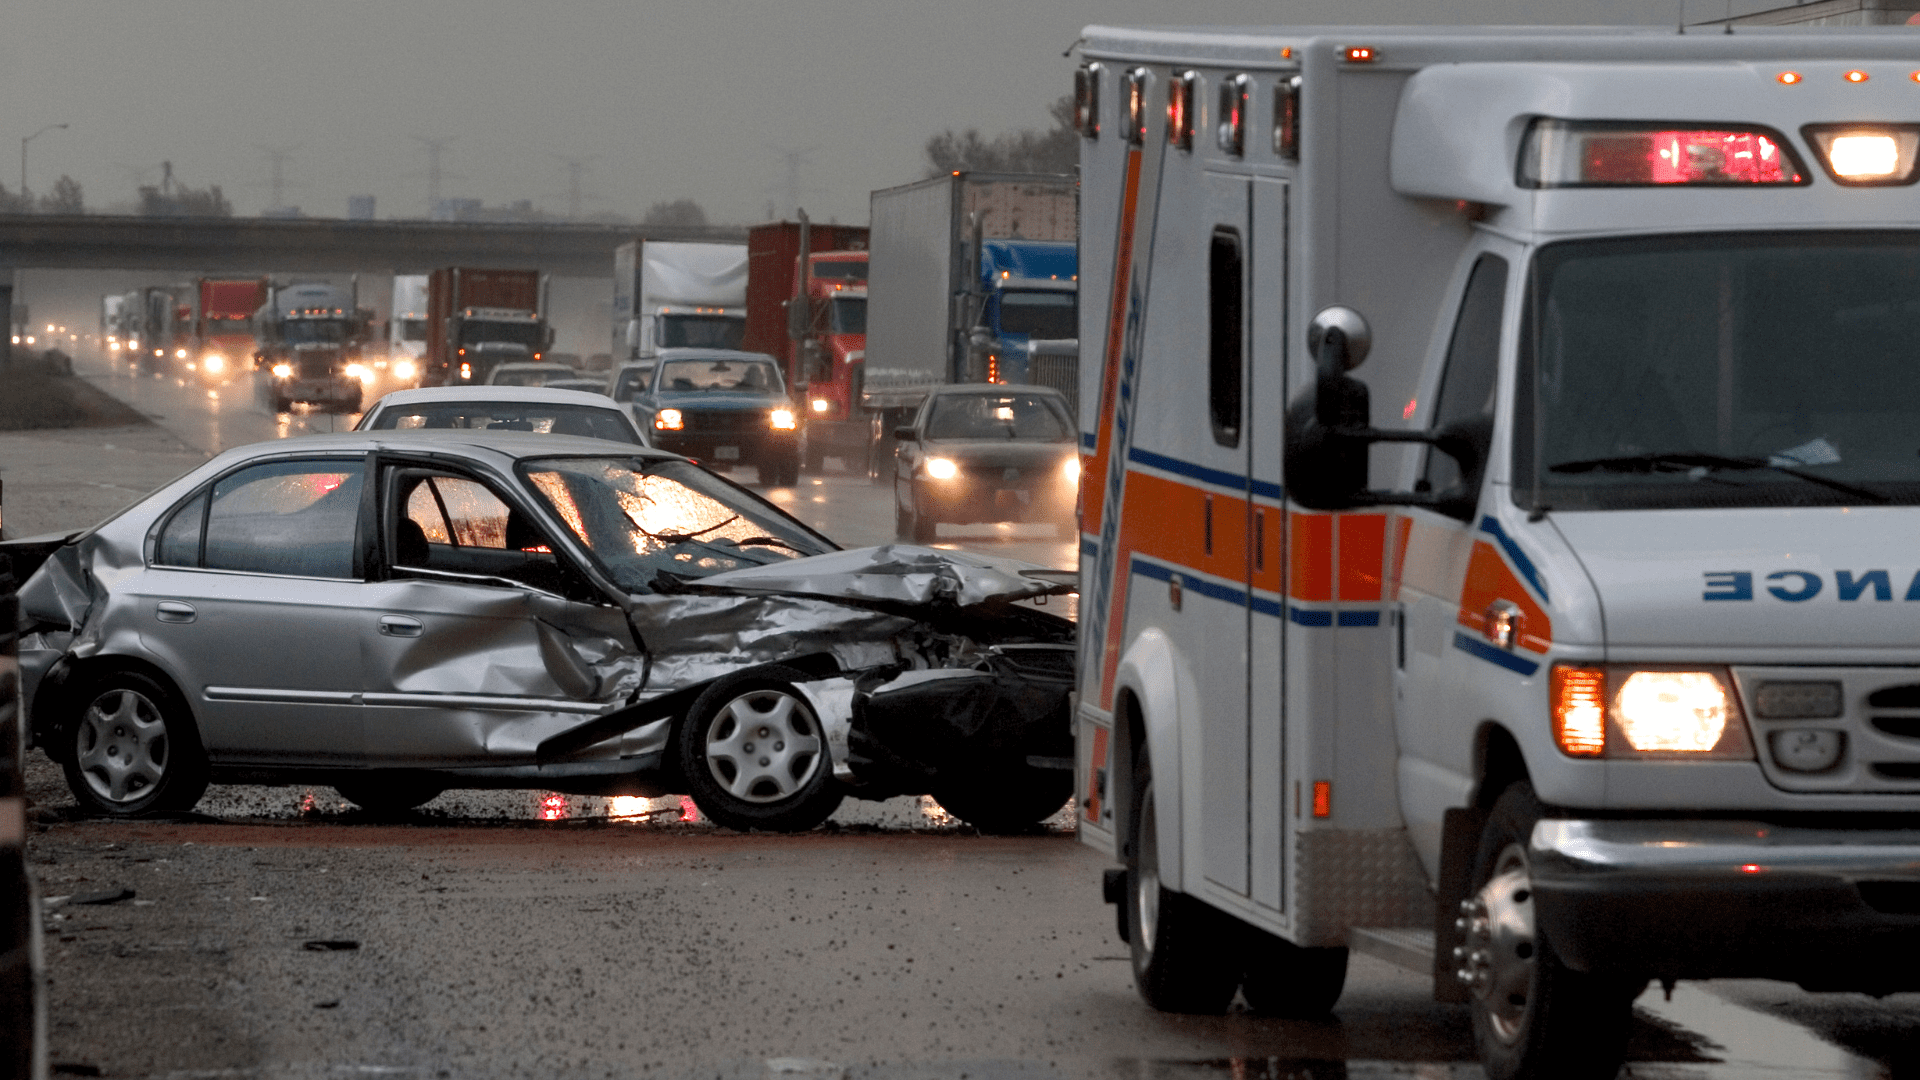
(1572, 639)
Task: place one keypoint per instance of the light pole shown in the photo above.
(23, 154)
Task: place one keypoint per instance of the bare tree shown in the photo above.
(66, 198)
(11, 203)
(1054, 150)
(677, 212)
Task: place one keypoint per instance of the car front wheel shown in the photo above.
(132, 749)
(756, 757)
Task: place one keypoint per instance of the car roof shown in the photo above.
(532, 395)
(712, 354)
(954, 389)
(499, 447)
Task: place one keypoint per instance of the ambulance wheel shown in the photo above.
(1184, 960)
(1533, 1017)
(1285, 980)
(755, 756)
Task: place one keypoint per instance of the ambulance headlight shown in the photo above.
(1628, 711)
(1867, 155)
(942, 468)
(1684, 711)
(1070, 470)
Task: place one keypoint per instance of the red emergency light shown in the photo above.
(1137, 81)
(1086, 99)
(1286, 118)
(1236, 94)
(1587, 153)
(1180, 109)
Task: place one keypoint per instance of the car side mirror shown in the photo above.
(905, 434)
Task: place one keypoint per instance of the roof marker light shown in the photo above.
(1236, 95)
(1856, 76)
(1788, 78)
(1359, 54)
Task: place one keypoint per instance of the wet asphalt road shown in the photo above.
(524, 934)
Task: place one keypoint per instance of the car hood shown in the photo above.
(993, 452)
(1802, 578)
(901, 575)
(721, 399)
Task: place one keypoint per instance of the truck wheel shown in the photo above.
(1184, 959)
(813, 454)
(756, 757)
(1533, 1017)
(1286, 980)
(131, 748)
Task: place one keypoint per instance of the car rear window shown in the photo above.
(997, 416)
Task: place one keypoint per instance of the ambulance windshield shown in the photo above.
(1767, 369)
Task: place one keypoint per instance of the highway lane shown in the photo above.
(508, 933)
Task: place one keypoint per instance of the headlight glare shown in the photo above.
(1070, 470)
(283, 371)
(780, 419)
(942, 468)
(214, 363)
(1684, 711)
(405, 369)
(669, 420)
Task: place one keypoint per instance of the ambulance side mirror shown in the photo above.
(1328, 425)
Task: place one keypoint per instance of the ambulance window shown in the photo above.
(1225, 332)
(1473, 358)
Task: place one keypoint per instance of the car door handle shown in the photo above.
(173, 611)
(399, 626)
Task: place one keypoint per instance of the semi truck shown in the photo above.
(973, 279)
(158, 321)
(1497, 463)
(673, 294)
(478, 319)
(223, 335)
(407, 329)
(811, 313)
(310, 338)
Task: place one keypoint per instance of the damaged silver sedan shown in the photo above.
(396, 614)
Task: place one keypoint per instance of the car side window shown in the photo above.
(460, 525)
(1473, 361)
(280, 517)
(179, 540)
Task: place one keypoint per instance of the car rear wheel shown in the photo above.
(388, 794)
(756, 757)
(131, 748)
(1183, 955)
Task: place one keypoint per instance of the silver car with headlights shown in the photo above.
(397, 613)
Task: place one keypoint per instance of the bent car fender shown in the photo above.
(1158, 677)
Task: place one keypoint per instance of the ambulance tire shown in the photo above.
(1184, 954)
(1288, 981)
(1533, 1017)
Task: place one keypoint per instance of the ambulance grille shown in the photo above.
(1870, 730)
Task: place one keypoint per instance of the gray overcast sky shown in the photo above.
(668, 99)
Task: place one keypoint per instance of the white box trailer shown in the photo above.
(678, 294)
(1585, 657)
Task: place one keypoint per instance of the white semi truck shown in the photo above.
(676, 294)
(407, 329)
(1500, 463)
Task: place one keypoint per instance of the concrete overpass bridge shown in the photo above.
(305, 245)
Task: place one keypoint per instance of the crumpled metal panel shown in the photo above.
(697, 638)
(898, 574)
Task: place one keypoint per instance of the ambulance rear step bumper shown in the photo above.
(1828, 908)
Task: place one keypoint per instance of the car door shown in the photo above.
(484, 638)
(253, 600)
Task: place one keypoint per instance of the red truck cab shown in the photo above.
(822, 341)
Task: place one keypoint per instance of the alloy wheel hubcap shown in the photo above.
(763, 746)
(1496, 958)
(1146, 879)
(121, 746)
